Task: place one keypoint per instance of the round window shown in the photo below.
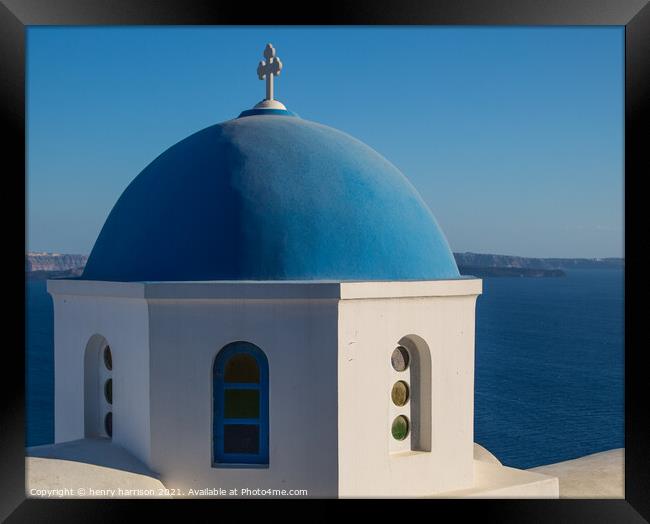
(108, 358)
(108, 424)
(400, 358)
(108, 390)
(400, 428)
(400, 393)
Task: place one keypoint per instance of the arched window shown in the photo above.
(240, 405)
(410, 397)
(98, 388)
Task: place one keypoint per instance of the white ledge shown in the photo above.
(268, 290)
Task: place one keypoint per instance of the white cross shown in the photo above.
(269, 69)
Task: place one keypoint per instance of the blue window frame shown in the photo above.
(240, 405)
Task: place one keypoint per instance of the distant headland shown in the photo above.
(42, 265)
(486, 265)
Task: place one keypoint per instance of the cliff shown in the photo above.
(506, 261)
(53, 262)
(482, 272)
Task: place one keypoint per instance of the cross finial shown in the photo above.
(269, 68)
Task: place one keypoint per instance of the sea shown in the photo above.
(549, 375)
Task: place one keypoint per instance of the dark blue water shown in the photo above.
(549, 366)
(39, 364)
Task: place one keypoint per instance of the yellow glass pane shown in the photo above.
(400, 393)
(242, 368)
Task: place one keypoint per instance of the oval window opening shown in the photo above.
(108, 358)
(400, 393)
(108, 424)
(400, 428)
(400, 358)
(108, 390)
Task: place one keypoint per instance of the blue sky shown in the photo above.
(513, 136)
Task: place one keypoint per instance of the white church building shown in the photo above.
(271, 304)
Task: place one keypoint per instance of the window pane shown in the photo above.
(400, 428)
(400, 393)
(108, 358)
(108, 390)
(241, 438)
(108, 424)
(242, 368)
(242, 403)
(400, 358)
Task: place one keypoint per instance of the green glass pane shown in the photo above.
(400, 393)
(400, 428)
(242, 368)
(242, 403)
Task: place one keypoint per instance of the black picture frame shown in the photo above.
(16, 15)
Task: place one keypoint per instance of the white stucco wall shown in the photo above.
(123, 322)
(328, 346)
(373, 318)
(298, 337)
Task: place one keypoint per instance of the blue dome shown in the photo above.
(270, 197)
